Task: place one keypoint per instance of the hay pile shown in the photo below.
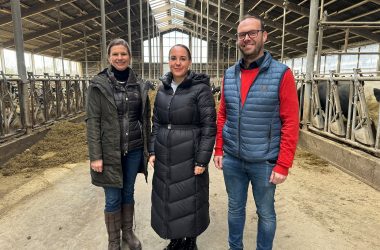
(373, 109)
(64, 143)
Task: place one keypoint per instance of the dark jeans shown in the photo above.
(115, 197)
(237, 176)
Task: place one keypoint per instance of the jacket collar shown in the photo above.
(262, 63)
(192, 78)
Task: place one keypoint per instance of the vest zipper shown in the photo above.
(239, 148)
(269, 136)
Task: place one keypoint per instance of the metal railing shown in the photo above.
(344, 115)
(50, 98)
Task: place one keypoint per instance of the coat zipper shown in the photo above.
(166, 194)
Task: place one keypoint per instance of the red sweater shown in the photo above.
(288, 116)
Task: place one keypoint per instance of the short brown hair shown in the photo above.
(247, 16)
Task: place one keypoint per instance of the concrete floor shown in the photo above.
(316, 210)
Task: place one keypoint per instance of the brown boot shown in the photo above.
(127, 225)
(113, 224)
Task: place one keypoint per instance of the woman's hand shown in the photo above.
(199, 170)
(97, 165)
(151, 160)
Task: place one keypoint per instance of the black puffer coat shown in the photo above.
(183, 135)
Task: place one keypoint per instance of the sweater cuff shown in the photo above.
(281, 170)
(218, 152)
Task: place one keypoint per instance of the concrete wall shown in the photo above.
(362, 165)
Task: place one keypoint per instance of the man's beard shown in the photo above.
(252, 54)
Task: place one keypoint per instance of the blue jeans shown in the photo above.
(237, 175)
(117, 196)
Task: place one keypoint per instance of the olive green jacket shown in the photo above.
(103, 130)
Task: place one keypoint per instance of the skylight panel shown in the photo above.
(160, 15)
(156, 4)
(177, 21)
(177, 12)
(163, 24)
(178, 1)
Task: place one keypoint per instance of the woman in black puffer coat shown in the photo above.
(181, 145)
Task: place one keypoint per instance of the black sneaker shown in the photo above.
(190, 244)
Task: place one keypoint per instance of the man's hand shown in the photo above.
(277, 178)
(218, 162)
(97, 165)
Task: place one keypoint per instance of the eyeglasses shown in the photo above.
(251, 34)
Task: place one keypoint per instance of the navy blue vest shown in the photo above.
(252, 131)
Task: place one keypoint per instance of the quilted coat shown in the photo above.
(103, 130)
(183, 135)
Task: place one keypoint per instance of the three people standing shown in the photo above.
(256, 137)
(257, 132)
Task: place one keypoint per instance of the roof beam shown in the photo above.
(376, 1)
(77, 37)
(233, 37)
(290, 6)
(36, 9)
(109, 38)
(67, 24)
(226, 34)
(306, 12)
(292, 29)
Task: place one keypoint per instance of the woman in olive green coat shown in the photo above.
(118, 128)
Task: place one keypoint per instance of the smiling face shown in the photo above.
(251, 48)
(119, 57)
(179, 63)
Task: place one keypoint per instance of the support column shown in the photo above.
(2, 61)
(283, 33)
(157, 52)
(218, 45)
(201, 36)
(60, 39)
(34, 63)
(104, 38)
(207, 37)
(129, 25)
(85, 53)
(142, 41)
(161, 54)
(149, 43)
(153, 51)
(322, 17)
(228, 54)
(378, 66)
(338, 67)
(313, 22)
(241, 14)
(21, 68)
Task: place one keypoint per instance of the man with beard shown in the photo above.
(257, 132)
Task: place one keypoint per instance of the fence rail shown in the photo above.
(51, 98)
(345, 108)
